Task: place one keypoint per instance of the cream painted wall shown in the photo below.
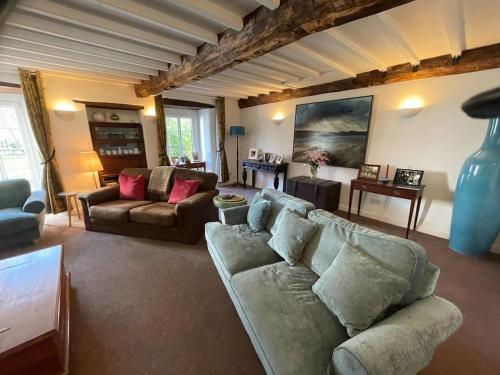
(73, 135)
(437, 141)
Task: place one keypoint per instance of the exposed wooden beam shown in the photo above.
(68, 63)
(64, 71)
(15, 33)
(393, 34)
(38, 49)
(322, 59)
(472, 60)
(263, 32)
(362, 52)
(6, 6)
(39, 25)
(212, 11)
(271, 4)
(106, 25)
(452, 14)
(186, 104)
(141, 12)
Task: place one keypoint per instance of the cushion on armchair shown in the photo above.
(358, 289)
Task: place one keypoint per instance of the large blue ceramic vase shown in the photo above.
(475, 222)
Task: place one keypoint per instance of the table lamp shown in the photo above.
(90, 162)
(237, 131)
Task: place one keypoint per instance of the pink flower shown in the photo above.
(316, 157)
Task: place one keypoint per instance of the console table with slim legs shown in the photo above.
(262, 166)
(412, 193)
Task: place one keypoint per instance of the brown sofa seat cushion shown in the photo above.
(115, 210)
(159, 213)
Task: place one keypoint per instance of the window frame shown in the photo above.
(178, 113)
(16, 101)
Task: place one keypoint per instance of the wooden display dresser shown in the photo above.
(34, 314)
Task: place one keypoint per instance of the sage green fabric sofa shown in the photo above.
(290, 328)
(22, 213)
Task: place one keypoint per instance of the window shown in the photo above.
(181, 135)
(19, 156)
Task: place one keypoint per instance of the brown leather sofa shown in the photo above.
(184, 222)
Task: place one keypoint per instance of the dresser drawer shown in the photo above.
(385, 190)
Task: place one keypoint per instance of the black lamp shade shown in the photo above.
(237, 130)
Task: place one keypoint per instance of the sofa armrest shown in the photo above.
(401, 344)
(35, 202)
(194, 212)
(234, 215)
(105, 194)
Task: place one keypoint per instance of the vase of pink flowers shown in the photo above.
(316, 159)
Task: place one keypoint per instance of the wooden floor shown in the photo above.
(474, 286)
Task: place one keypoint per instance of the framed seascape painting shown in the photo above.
(338, 127)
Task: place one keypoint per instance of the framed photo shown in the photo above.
(272, 158)
(408, 177)
(253, 153)
(267, 155)
(279, 159)
(369, 172)
(260, 156)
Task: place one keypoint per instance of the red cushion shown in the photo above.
(183, 189)
(131, 187)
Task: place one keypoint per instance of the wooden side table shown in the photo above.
(193, 165)
(235, 201)
(263, 166)
(324, 194)
(67, 197)
(413, 193)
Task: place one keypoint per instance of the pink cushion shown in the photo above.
(131, 187)
(183, 189)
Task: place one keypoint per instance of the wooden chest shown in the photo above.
(324, 194)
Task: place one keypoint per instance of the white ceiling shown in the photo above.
(129, 40)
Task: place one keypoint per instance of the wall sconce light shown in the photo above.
(64, 110)
(278, 118)
(150, 114)
(410, 107)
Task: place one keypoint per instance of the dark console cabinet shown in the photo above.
(324, 194)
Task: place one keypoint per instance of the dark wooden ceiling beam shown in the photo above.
(472, 60)
(264, 31)
(187, 104)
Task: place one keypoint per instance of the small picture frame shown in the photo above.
(408, 177)
(195, 155)
(267, 155)
(369, 172)
(260, 156)
(272, 158)
(253, 153)
(279, 159)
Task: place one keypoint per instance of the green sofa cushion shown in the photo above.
(13, 193)
(257, 215)
(357, 288)
(15, 220)
(238, 248)
(291, 237)
(406, 258)
(295, 330)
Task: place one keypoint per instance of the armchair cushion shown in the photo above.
(357, 289)
(403, 343)
(15, 220)
(234, 215)
(13, 193)
(35, 202)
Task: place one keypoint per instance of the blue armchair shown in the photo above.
(22, 213)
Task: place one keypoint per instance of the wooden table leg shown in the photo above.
(350, 203)
(416, 213)
(68, 209)
(77, 208)
(254, 173)
(359, 201)
(412, 206)
(244, 176)
(285, 177)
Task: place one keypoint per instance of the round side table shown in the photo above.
(234, 201)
